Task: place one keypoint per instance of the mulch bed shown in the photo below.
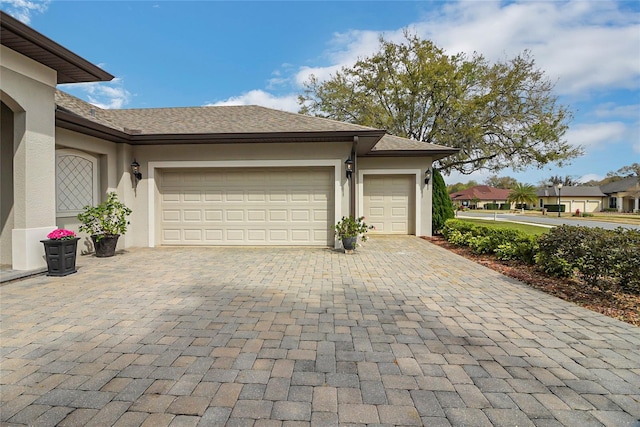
(619, 305)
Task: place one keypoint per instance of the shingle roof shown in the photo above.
(398, 144)
(153, 124)
(625, 184)
(481, 192)
(202, 120)
(578, 191)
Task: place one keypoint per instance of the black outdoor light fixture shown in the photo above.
(427, 176)
(135, 170)
(348, 166)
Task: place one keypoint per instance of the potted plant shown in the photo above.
(105, 223)
(60, 252)
(348, 229)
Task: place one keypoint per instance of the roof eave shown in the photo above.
(52, 53)
(434, 154)
(70, 121)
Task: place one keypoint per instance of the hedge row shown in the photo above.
(496, 206)
(504, 243)
(603, 258)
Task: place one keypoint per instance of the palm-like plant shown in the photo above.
(522, 194)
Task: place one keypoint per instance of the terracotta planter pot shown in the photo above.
(60, 256)
(106, 246)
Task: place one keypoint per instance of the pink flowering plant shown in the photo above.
(352, 227)
(61, 234)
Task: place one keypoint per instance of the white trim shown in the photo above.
(86, 156)
(152, 166)
(418, 198)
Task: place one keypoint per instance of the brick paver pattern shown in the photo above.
(400, 333)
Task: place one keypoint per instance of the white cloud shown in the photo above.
(592, 135)
(23, 9)
(590, 177)
(610, 109)
(265, 99)
(107, 95)
(585, 45)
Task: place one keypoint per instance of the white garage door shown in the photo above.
(389, 203)
(266, 206)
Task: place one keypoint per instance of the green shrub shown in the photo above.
(442, 208)
(602, 258)
(505, 243)
(587, 214)
(491, 206)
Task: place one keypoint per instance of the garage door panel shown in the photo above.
(264, 206)
(171, 215)
(389, 203)
(213, 235)
(192, 235)
(235, 235)
(192, 215)
(256, 196)
(213, 215)
(276, 235)
(171, 235)
(213, 196)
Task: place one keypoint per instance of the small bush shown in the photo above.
(585, 215)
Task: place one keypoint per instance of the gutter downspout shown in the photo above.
(352, 183)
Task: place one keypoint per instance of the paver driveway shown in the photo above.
(400, 333)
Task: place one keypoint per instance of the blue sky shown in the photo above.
(172, 54)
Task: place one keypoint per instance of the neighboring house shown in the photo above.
(243, 175)
(623, 195)
(584, 198)
(479, 196)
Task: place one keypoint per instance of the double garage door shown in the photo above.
(257, 206)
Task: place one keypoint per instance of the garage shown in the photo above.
(389, 203)
(246, 206)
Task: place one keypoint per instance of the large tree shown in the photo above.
(500, 115)
(503, 182)
(625, 171)
(459, 186)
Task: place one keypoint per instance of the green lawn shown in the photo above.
(527, 228)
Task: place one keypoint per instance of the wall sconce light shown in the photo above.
(135, 170)
(427, 176)
(348, 165)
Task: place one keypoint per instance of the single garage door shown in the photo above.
(389, 203)
(266, 206)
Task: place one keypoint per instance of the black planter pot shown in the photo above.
(60, 256)
(106, 246)
(349, 243)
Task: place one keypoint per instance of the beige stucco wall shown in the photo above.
(115, 160)
(109, 173)
(27, 87)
